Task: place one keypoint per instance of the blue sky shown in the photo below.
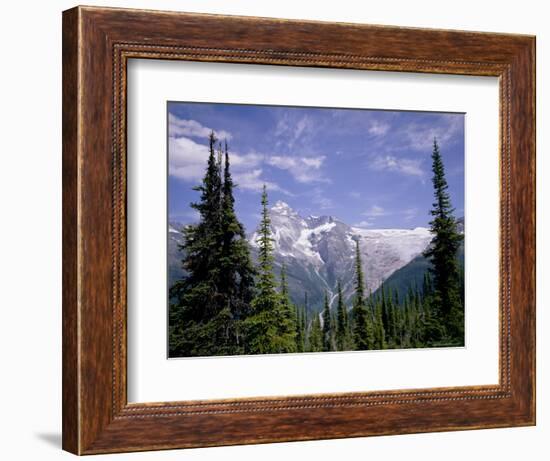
(369, 168)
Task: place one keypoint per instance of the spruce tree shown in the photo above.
(316, 334)
(208, 305)
(236, 269)
(379, 331)
(443, 254)
(268, 327)
(327, 326)
(342, 342)
(287, 319)
(199, 312)
(362, 327)
(300, 338)
(305, 324)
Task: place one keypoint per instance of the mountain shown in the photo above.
(412, 274)
(319, 250)
(175, 238)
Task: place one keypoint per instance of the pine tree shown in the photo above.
(261, 325)
(379, 331)
(443, 252)
(342, 341)
(316, 335)
(300, 338)
(305, 324)
(236, 269)
(200, 309)
(287, 318)
(385, 308)
(268, 328)
(362, 327)
(327, 326)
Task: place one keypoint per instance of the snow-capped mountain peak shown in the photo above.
(320, 250)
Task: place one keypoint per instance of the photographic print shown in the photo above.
(307, 230)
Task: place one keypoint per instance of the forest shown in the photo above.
(229, 305)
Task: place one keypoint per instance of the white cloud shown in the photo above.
(375, 211)
(355, 194)
(188, 159)
(252, 180)
(421, 137)
(182, 127)
(363, 224)
(378, 128)
(189, 215)
(409, 167)
(291, 129)
(302, 169)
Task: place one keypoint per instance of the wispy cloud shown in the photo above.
(192, 128)
(420, 136)
(188, 215)
(405, 166)
(378, 128)
(319, 199)
(375, 211)
(363, 224)
(253, 181)
(302, 169)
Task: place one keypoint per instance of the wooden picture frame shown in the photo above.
(97, 43)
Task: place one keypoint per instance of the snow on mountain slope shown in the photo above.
(319, 251)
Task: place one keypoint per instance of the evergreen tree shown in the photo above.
(205, 306)
(236, 269)
(287, 318)
(268, 329)
(327, 326)
(342, 328)
(300, 333)
(362, 327)
(379, 331)
(316, 335)
(443, 252)
(305, 325)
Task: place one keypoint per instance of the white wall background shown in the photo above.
(30, 228)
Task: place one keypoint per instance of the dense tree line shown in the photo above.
(227, 306)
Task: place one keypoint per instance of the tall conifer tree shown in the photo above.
(286, 318)
(342, 341)
(327, 326)
(199, 310)
(316, 334)
(269, 329)
(362, 326)
(443, 252)
(236, 269)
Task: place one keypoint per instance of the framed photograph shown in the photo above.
(282, 230)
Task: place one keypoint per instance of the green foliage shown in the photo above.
(226, 306)
(270, 327)
(363, 334)
(207, 306)
(327, 327)
(446, 300)
(343, 339)
(315, 335)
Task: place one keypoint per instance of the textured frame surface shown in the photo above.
(97, 43)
